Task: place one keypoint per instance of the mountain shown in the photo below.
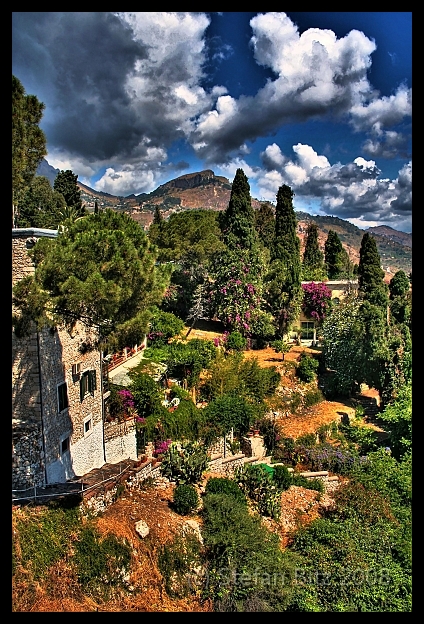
(46, 170)
(203, 189)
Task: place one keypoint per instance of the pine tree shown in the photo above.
(370, 274)
(313, 257)
(237, 222)
(28, 142)
(96, 207)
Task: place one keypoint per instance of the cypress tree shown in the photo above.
(66, 183)
(237, 222)
(333, 252)
(370, 273)
(283, 283)
(313, 257)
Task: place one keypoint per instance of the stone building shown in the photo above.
(58, 427)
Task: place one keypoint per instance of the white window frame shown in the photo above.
(88, 421)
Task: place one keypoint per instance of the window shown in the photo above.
(88, 425)
(64, 445)
(62, 397)
(307, 330)
(87, 383)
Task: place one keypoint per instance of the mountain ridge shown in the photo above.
(204, 190)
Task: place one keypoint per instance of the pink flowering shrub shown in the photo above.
(316, 300)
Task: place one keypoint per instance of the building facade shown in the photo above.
(58, 426)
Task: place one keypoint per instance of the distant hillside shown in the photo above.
(203, 189)
(394, 247)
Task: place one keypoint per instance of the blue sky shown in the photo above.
(319, 101)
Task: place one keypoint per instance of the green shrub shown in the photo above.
(313, 396)
(184, 463)
(307, 368)
(307, 439)
(282, 477)
(309, 484)
(186, 499)
(223, 485)
(176, 561)
(236, 342)
(100, 563)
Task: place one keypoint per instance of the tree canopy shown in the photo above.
(28, 141)
(100, 271)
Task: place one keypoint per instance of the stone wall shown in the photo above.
(120, 441)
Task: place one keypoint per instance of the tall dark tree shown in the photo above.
(370, 274)
(313, 257)
(96, 207)
(265, 224)
(282, 287)
(158, 217)
(237, 222)
(28, 141)
(66, 183)
(333, 250)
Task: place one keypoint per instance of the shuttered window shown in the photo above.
(88, 383)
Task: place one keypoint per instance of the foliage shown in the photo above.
(265, 224)
(163, 326)
(177, 559)
(364, 438)
(281, 346)
(186, 499)
(399, 285)
(282, 477)
(100, 270)
(313, 258)
(316, 300)
(42, 538)
(185, 463)
(235, 292)
(258, 485)
(370, 273)
(282, 287)
(100, 562)
(187, 360)
(309, 484)
(66, 184)
(333, 253)
(235, 341)
(358, 557)
(28, 141)
(224, 485)
(40, 205)
(307, 368)
(120, 402)
(237, 221)
(398, 416)
(230, 411)
(247, 570)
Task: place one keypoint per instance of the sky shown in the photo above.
(320, 101)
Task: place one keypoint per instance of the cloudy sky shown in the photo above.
(319, 101)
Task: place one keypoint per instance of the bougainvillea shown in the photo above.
(127, 401)
(316, 300)
(236, 292)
